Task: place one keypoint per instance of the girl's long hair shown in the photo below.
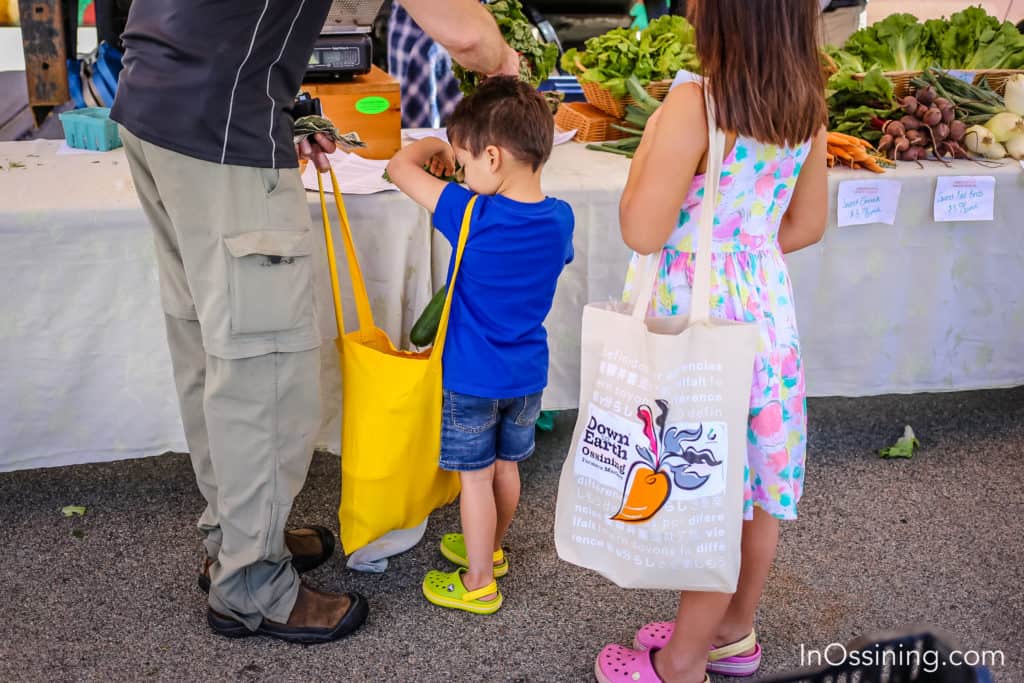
(761, 63)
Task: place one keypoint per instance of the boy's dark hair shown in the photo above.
(508, 113)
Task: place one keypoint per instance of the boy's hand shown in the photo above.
(442, 164)
(406, 170)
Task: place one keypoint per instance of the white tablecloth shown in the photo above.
(918, 306)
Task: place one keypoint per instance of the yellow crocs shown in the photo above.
(453, 547)
(445, 589)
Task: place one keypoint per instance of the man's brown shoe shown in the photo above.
(318, 617)
(310, 547)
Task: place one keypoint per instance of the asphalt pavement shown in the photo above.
(111, 596)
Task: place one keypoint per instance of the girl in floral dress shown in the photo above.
(773, 198)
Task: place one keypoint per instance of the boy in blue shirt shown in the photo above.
(496, 355)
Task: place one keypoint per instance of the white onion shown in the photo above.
(1014, 97)
(1015, 147)
(980, 140)
(1005, 125)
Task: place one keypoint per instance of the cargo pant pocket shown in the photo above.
(270, 280)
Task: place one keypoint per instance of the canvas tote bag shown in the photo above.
(651, 493)
(391, 424)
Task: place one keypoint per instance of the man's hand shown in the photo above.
(316, 148)
(510, 63)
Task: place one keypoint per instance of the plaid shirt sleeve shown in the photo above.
(424, 70)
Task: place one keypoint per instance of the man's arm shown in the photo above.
(406, 170)
(467, 30)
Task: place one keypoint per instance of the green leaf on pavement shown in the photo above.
(72, 510)
(904, 446)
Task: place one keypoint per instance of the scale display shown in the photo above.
(335, 57)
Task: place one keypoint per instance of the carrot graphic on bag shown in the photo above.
(648, 486)
(646, 492)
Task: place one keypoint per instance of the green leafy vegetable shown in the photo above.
(846, 62)
(974, 39)
(656, 53)
(904, 446)
(536, 59)
(854, 103)
(969, 39)
(897, 43)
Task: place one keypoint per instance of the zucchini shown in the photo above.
(643, 100)
(425, 328)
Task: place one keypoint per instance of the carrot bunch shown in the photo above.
(853, 152)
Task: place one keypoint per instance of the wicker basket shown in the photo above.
(590, 123)
(600, 97)
(996, 78)
(902, 86)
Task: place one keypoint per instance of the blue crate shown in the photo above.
(90, 128)
(564, 84)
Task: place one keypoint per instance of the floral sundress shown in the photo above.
(750, 283)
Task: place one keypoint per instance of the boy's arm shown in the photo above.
(406, 170)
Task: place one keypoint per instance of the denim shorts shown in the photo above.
(477, 431)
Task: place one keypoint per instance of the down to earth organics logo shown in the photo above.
(669, 459)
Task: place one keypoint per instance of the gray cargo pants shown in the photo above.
(234, 253)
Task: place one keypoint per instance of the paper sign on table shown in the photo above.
(868, 201)
(964, 198)
(563, 136)
(356, 175)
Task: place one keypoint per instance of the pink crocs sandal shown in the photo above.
(725, 660)
(617, 664)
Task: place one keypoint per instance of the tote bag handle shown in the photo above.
(358, 284)
(700, 303)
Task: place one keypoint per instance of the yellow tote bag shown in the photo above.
(391, 426)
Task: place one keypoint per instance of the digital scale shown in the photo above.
(344, 49)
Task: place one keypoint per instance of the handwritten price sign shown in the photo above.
(965, 198)
(868, 201)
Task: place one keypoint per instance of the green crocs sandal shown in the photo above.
(453, 547)
(546, 421)
(445, 589)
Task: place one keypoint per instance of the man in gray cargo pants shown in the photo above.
(203, 102)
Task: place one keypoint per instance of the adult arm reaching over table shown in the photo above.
(466, 30)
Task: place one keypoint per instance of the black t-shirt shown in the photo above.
(212, 79)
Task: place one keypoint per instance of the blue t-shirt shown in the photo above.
(497, 346)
